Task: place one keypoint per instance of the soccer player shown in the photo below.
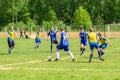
(83, 40)
(93, 42)
(37, 39)
(53, 38)
(64, 44)
(11, 42)
(104, 42)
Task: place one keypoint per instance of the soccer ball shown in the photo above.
(49, 58)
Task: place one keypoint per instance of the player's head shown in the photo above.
(11, 28)
(52, 28)
(61, 29)
(81, 29)
(99, 34)
(91, 30)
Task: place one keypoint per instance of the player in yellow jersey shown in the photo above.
(93, 41)
(11, 42)
(103, 42)
(37, 39)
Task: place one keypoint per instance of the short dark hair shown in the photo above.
(81, 28)
(61, 28)
(91, 29)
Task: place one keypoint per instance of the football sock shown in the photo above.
(57, 54)
(81, 49)
(99, 54)
(91, 56)
(71, 55)
(102, 53)
(51, 47)
(9, 50)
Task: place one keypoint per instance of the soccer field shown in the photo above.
(27, 63)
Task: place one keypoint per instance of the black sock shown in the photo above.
(51, 47)
(102, 53)
(91, 56)
(99, 54)
(81, 49)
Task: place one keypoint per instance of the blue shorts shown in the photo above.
(37, 40)
(60, 47)
(83, 42)
(103, 46)
(11, 42)
(93, 45)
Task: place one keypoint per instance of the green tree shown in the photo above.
(81, 18)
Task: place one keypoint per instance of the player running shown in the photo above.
(11, 42)
(83, 40)
(93, 42)
(37, 39)
(104, 42)
(53, 38)
(64, 44)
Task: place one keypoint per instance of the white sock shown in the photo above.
(71, 55)
(36, 44)
(57, 54)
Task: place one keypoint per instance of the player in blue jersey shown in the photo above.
(83, 40)
(103, 42)
(37, 39)
(64, 44)
(53, 38)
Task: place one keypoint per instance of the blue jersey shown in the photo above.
(64, 39)
(52, 35)
(83, 36)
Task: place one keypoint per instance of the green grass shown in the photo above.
(27, 63)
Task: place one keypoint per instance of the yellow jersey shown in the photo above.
(38, 35)
(103, 40)
(11, 34)
(92, 37)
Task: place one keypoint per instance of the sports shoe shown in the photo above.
(73, 60)
(56, 59)
(81, 53)
(102, 53)
(101, 59)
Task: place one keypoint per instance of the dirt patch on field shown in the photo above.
(70, 34)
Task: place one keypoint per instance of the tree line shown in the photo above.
(64, 12)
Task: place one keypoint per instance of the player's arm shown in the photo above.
(9, 34)
(15, 35)
(109, 42)
(48, 35)
(98, 39)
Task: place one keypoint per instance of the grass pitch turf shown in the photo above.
(27, 63)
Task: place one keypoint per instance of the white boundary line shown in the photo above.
(57, 69)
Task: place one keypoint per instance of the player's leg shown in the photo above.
(103, 47)
(91, 54)
(81, 48)
(51, 46)
(11, 45)
(66, 48)
(59, 47)
(84, 46)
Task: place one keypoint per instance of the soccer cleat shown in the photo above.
(90, 61)
(56, 59)
(81, 53)
(102, 53)
(73, 60)
(101, 59)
